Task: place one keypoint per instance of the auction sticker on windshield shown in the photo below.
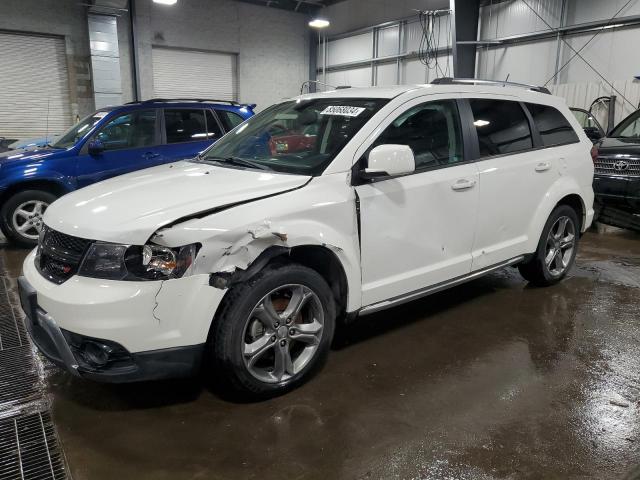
(343, 111)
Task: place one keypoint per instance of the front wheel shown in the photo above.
(21, 216)
(557, 249)
(274, 331)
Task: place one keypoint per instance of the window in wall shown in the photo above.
(554, 128)
(184, 125)
(432, 130)
(129, 130)
(213, 127)
(230, 120)
(502, 127)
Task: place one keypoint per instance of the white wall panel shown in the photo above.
(350, 49)
(387, 74)
(357, 77)
(609, 53)
(582, 11)
(388, 41)
(532, 63)
(514, 17)
(413, 71)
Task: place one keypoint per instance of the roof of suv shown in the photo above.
(418, 90)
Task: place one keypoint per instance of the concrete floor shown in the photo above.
(492, 379)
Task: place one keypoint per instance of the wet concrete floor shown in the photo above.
(490, 380)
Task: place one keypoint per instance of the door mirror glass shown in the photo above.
(390, 160)
(96, 147)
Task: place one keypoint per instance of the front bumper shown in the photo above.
(65, 349)
(157, 328)
(618, 191)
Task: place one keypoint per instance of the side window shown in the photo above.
(554, 128)
(230, 120)
(129, 130)
(184, 125)
(433, 132)
(502, 127)
(213, 128)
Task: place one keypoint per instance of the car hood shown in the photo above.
(610, 145)
(29, 155)
(130, 208)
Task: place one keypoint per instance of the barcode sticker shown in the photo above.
(343, 111)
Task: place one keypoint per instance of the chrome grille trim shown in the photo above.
(605, 164)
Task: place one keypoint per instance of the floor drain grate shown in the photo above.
(20, 380)
(29, 449)
(12, 332)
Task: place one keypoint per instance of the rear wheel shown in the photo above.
(274, 331)
(21, 216)
(557, 249)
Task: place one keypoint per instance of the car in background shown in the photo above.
(589, 124)
(107, 143)
(616, 181)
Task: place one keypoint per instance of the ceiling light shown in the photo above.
(481, 123)
(166, 2)
(319, 23)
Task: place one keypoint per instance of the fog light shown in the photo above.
(95, 354)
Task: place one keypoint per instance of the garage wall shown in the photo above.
(384, 55)
(609, 53)
(64, 18)
(272, 45)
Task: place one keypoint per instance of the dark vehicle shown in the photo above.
(616, 181)
(589, 123)
(110, 142)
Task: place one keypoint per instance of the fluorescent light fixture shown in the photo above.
(166, 2)
(319, 23)
(481, 123)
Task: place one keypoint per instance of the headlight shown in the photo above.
(132, 262)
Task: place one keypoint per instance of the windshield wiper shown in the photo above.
(238, 161)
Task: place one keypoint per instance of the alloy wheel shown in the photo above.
(282, 334)
(560, 244)
(27, 218)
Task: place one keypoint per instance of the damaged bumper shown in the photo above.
(120, 331)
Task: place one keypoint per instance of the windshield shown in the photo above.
(629, 127)
(300, 137)
(79, 130)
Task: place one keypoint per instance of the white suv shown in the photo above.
(320, 208)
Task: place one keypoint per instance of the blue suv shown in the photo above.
(109, 142)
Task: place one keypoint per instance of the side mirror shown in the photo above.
(390, 160)
(593, 133)
(96, 147)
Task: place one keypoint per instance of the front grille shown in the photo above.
(59, 255)
(614, 165)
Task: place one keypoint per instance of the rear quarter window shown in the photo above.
(552, 125)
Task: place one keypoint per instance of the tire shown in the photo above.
(17, 211)
(243, 320)
(539, 270)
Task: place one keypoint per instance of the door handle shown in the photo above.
(463, 184)
(150, 155)
(543, 167)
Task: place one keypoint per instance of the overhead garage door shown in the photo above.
(34, 86)
(193, 74)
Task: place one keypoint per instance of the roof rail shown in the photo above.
(497, 83)
(166, 100)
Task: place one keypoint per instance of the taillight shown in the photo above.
(594, 153)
